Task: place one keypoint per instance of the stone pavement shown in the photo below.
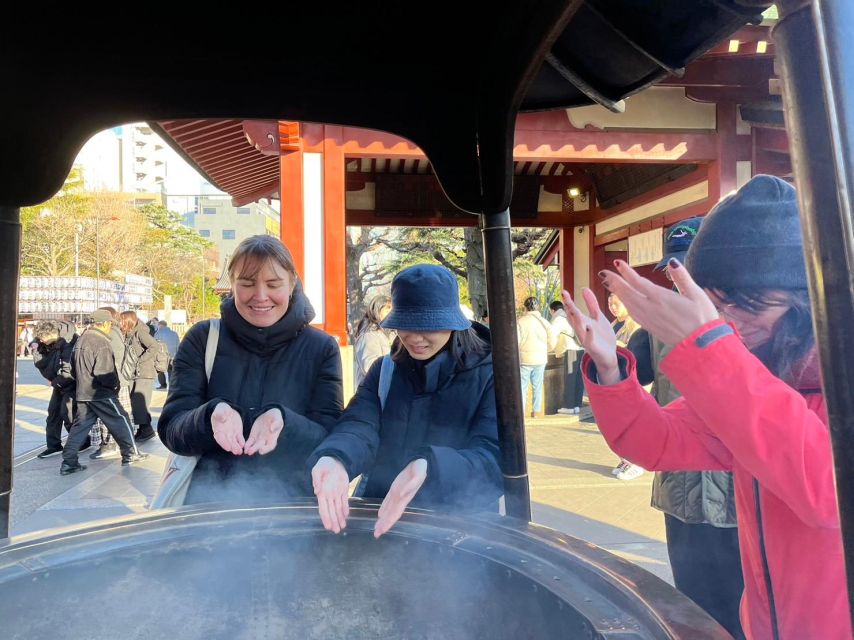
(572, 488)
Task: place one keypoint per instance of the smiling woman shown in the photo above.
(273, 392)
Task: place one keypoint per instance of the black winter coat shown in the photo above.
(441, 411)
(53, 361)
(289, 365)
(140, 350)
(94, 367)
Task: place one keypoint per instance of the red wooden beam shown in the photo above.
(334, 236)
(291, 223)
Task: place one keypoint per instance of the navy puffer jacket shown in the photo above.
(442, 411)
(290, 366)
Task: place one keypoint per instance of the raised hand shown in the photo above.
(227, 427)
(264, 435)
(400, 494)
(667, 315)
(331, 483)
(596, 335)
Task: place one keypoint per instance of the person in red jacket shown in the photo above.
(744, 359)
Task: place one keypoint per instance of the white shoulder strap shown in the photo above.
(386, 371)
(210, 347)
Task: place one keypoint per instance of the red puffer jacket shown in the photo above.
(734, 415)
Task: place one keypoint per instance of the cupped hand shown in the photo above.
(227, 427)
(667, 315)
(264, 435)
(596, 335)
(331, 483)
(400, 494)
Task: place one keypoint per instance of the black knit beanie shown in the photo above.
(751, 240)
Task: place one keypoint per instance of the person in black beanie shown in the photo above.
(745, 361)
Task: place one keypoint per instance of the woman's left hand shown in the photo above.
(264, 435)
(400, 494)
(669, 316)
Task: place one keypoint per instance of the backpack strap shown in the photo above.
(386, 371)
(210, 347)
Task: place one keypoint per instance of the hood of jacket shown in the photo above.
(262, 340)
(67, 330)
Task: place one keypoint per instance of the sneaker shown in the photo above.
(161, 388)
(619, 468)
(145, 432)
(50, 452)
(132, 458)
(67, 469)
(565, 411)
(106, 452)
(576, 410)
(631, 472)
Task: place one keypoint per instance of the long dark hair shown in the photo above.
(793, 336)
(464, 345)
(371, 320)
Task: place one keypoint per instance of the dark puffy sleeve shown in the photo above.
(185, 425)
(355, 438)
(468, 477)
(305, 431)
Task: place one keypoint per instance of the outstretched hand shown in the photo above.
(331, 483)
(400, 494)
(227, 427)
(667, 315)
(264, 435)
(596, 335)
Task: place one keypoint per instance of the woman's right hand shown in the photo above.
(331, 483)
(227, 427)
(595, 334)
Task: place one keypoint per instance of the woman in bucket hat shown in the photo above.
(422, 427)
(744, 359)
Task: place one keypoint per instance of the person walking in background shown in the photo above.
(567, 345)
(94, 370)
(536, 340)
(699, 506)
(166, 336)
(372, 341)
(53, 345)
(107, 447)
(138, 366)
(624, 327)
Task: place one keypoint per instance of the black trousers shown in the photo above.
(707, 568)
(60, 411)
(573, 388)
(111, 414)
(140, 399)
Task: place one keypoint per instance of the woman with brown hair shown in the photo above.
(274, 388)
(138, 367)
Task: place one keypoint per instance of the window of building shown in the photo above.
(205, 233)
(228, 234)
(243, 211)
(209, 211)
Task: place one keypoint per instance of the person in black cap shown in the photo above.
(744, 359)
(422, 427)
(94, 369)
